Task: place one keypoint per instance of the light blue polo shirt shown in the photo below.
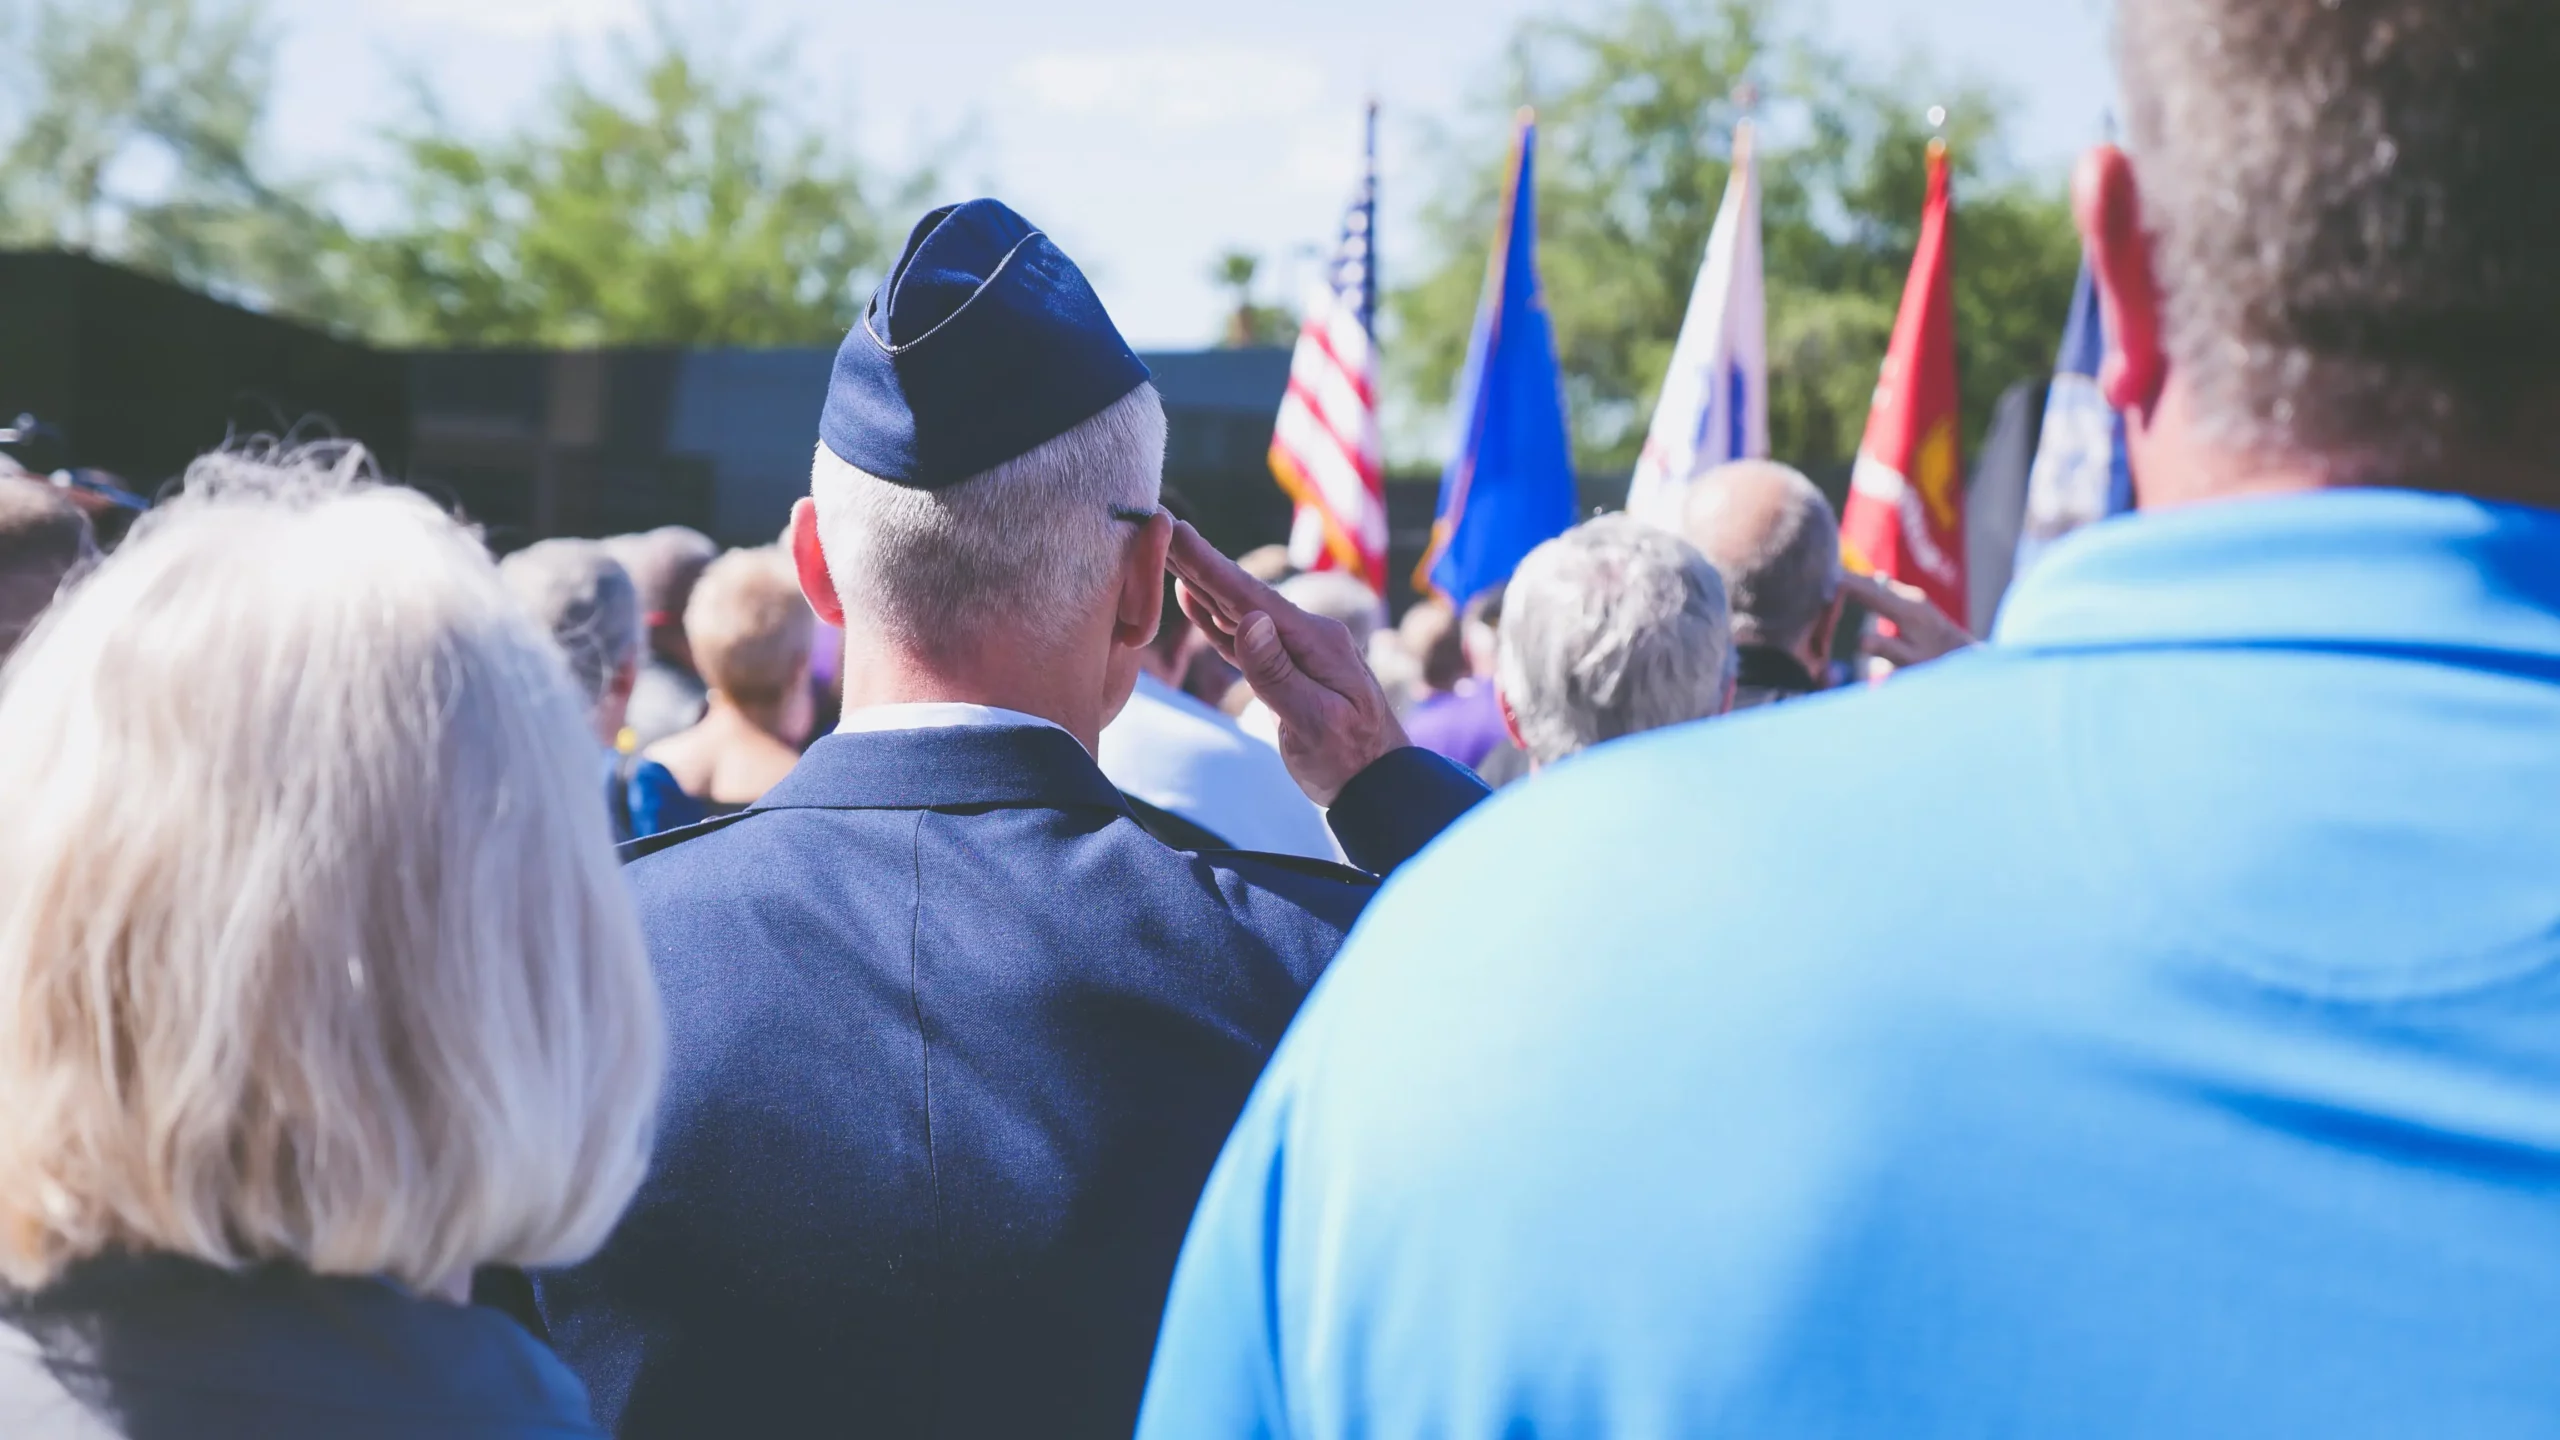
(2146, 1026)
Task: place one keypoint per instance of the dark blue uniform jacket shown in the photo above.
(953, 1043)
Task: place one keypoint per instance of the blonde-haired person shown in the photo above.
(750, 630)
(318, 986)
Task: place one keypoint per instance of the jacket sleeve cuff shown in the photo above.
(1406, 797)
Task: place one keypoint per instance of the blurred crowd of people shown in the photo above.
(1060, 980)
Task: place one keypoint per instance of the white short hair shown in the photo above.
(1612, 628)
(1029, 544)
(578, 592)
(312, 945)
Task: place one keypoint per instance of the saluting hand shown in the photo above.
(1334, 717)
(1923, 633)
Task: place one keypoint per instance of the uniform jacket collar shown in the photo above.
(2359, 569)
(1029, 765)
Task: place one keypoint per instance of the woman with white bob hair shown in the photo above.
(318, 987)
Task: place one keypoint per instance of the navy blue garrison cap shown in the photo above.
(984, 343)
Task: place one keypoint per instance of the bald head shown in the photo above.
(1772, 536)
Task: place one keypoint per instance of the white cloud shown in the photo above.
(1179, 85)
(523, 19)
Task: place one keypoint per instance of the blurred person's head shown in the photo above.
(1337, 596)
(1612, 628)
(44, 541)
(583, 599)
(750, 630)
(2326, 261)
(1480, 628)
(1438, 643)
(664, 565)
(1398, 672)
(1772, 535)
(312, 945)
(1269, 564)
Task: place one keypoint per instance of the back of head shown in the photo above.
(312, 946)
(664, 565)
(44, 539)
(578, 593)
(1026, 546)
(1337, 596)
(749, 626)
(2351, 222)
(1612, 628)
(1772, 535)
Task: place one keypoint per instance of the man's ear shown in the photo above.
(1141, 599)
(2106, 202)
(1510, 722)
(810, 559)
(1817, 646)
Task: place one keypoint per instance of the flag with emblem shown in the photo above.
(1905, 516)
(1714, 405)
(1325, 447)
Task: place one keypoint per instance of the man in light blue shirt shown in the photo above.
(2145, 1025)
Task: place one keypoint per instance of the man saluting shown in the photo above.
(954, 1041)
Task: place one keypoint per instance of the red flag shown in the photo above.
(1905, 517)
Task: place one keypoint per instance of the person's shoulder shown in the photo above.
(1765, 809)
(644, 855)
(1262, 866)
(1276, 895)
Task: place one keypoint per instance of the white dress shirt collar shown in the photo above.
(934, 715)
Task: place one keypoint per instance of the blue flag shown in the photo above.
(2080, 475)
(1509, 484)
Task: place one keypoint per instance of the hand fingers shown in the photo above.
(1211, 625)
(1273, 673)
(1893, 600)
(1197, 602)
(1323, 649)
(1908, 607)
(1223, 581)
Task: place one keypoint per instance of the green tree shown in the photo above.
(139, 138)
(671, 202)
(1636, 112)
(1249, 322)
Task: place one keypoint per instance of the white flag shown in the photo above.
(1715, 396)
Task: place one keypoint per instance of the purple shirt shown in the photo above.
(1464, 724)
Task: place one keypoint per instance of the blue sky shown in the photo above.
(1147, 135)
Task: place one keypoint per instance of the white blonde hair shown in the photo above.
(1030, 544)
(312, 946)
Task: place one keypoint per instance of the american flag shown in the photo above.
(1324, 448)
